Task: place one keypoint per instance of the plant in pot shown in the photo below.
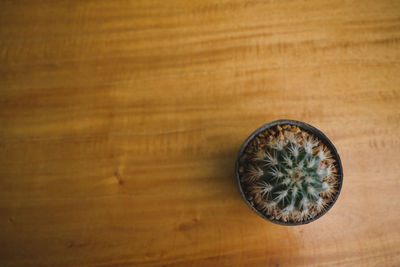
(289, 172)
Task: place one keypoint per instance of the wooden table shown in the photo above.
(120, 122)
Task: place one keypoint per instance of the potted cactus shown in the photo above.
(288, 172)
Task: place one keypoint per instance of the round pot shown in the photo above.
(310, 129)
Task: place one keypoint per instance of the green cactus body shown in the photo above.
(289, 174)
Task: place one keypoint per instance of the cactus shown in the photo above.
(288, 174)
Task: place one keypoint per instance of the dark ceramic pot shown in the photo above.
(310, 129)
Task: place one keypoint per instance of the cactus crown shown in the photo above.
(288, 174)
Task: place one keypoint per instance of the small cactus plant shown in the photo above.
(288, 174)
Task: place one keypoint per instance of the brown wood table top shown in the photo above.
(120, 122)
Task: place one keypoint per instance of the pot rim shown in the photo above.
(307, 128)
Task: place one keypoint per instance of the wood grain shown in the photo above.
(121, 120)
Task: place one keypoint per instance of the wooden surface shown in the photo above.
(120, 122)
